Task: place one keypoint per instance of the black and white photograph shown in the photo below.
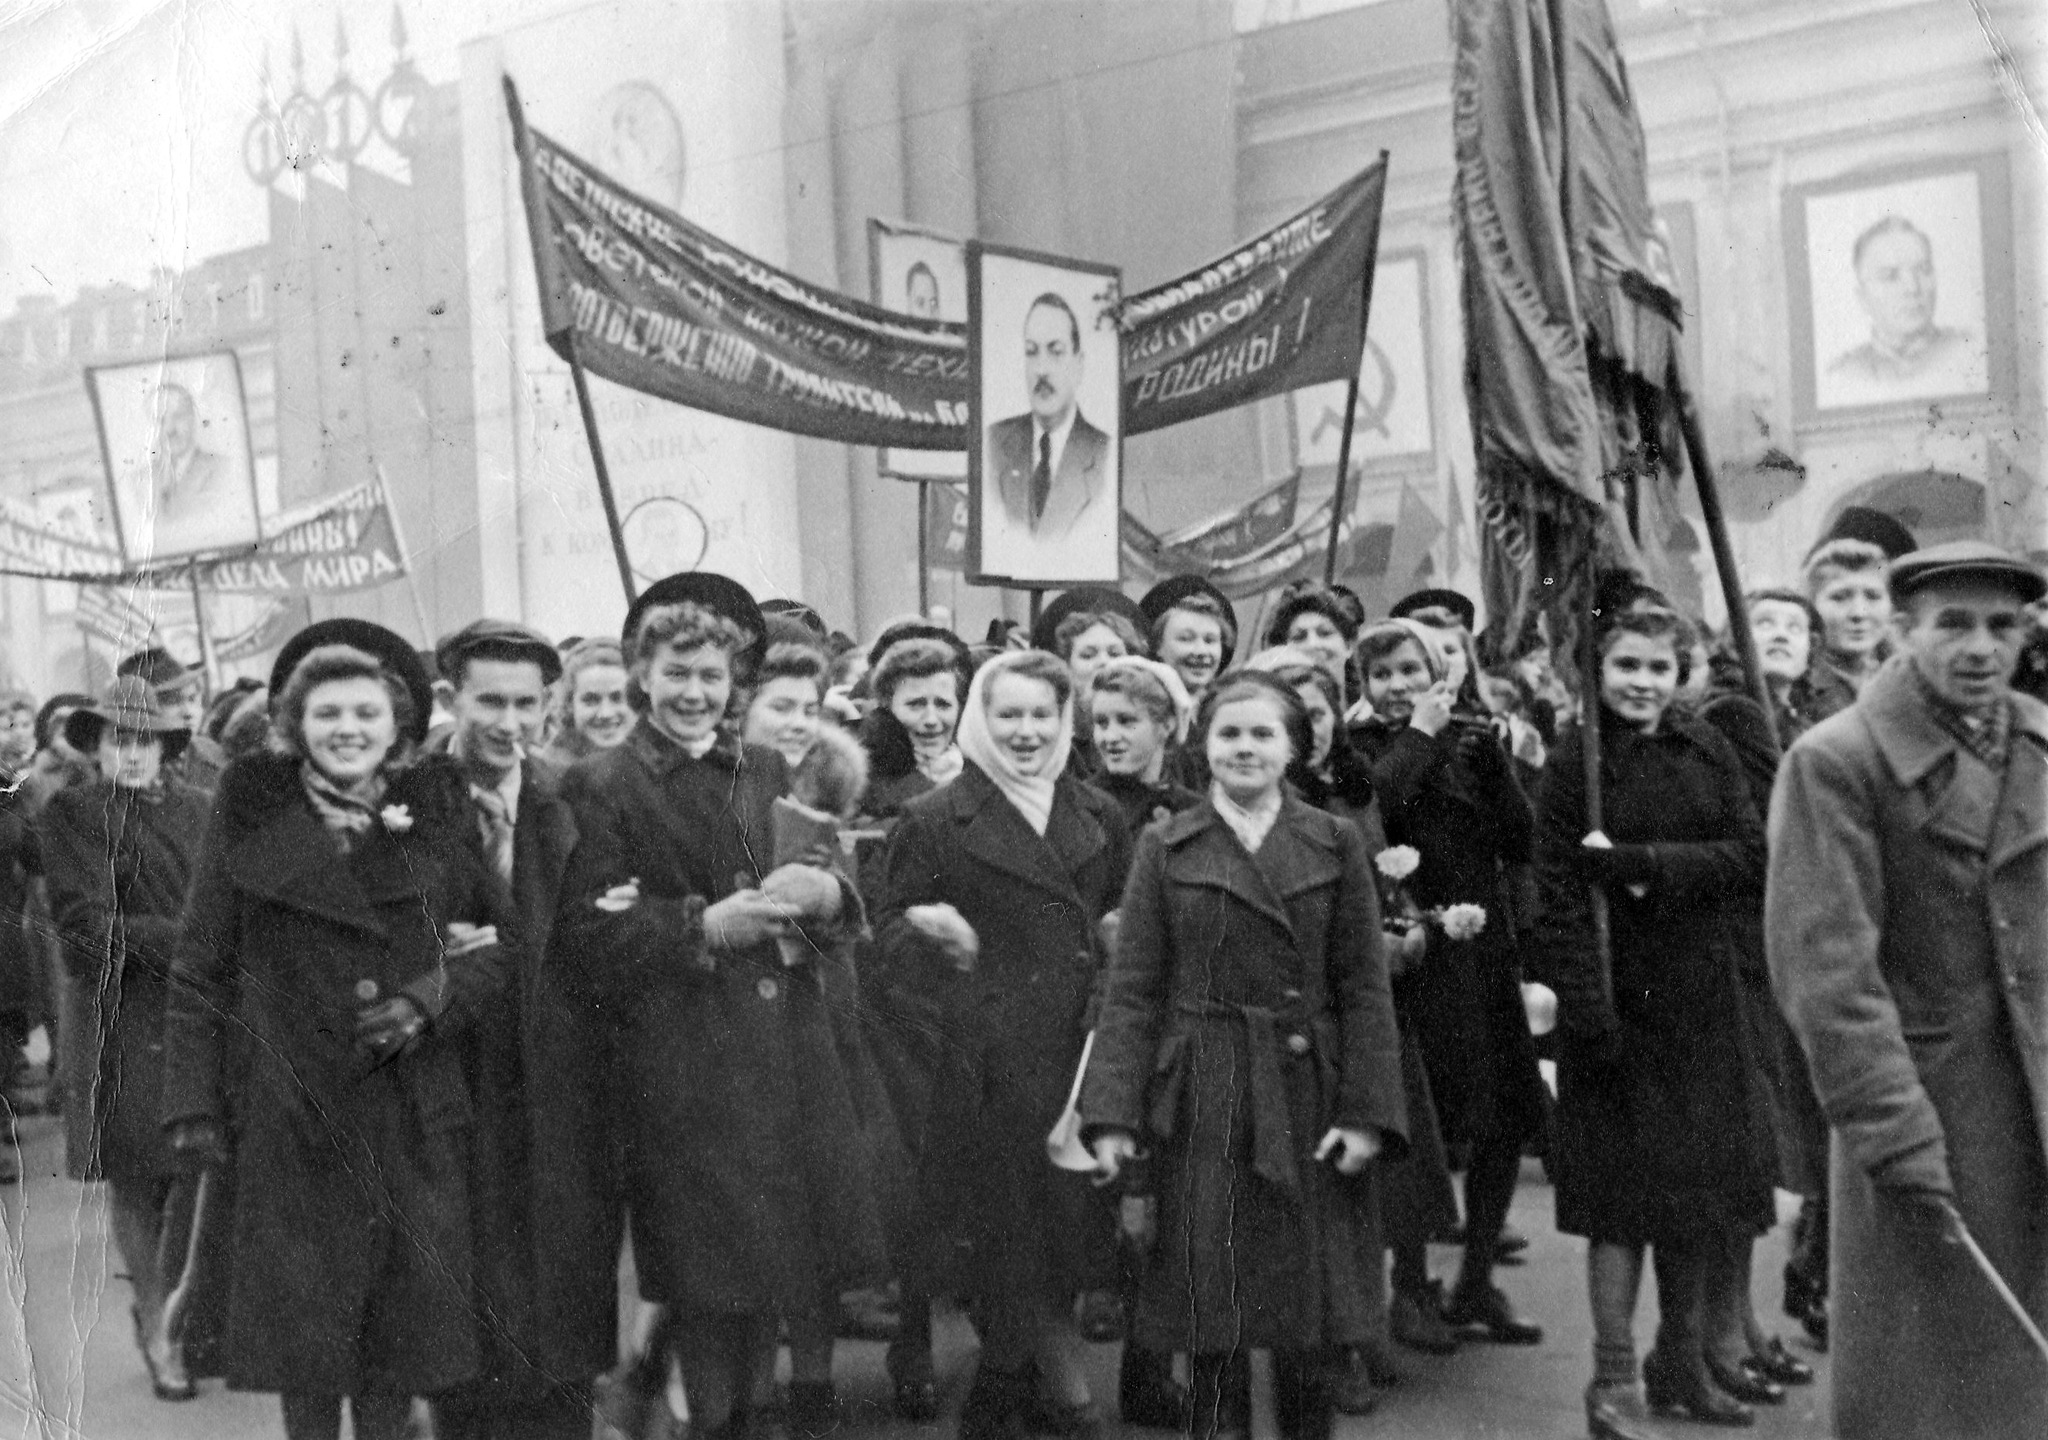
(1906, 284)
(1023, 720)
(923, 273)
(1045, 473)
(175, 435)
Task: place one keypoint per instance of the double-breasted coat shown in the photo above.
(1662, 1129)
(118, 865)
(1247, 1013)
(352, 1219)
(744, 1175)
(1457, 802)
(1010, 1030)
(1907, 923)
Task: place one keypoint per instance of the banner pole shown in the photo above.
(206, 657)
(1337, 496)
(924, 547)
(412, 579)
(1724, 558)
(1589, 750)
(604, 475)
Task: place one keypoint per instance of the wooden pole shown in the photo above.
(924, 547)
(543, 264)
(207, 662)
(604, 475)
(412, 579)
(1724, 559)
(1337, 496)
(1589, 748)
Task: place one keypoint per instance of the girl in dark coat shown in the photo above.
(1247, 1040)
(994, 890)
(119, 852)
(918, 681)
(1447, 788)
(745, 1181)
(1412, 1199)
(1661, 1133)
(342, 930)
(1140, 710)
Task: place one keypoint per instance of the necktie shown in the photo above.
(497, 830)
(1041, 477)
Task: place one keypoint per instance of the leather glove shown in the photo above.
(199, 1142)
(1618, 864)
(389, 1027)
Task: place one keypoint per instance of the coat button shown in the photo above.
(767, 989)
(1298, 1044)
(366, 990)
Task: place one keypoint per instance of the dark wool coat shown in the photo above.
(1461, 807)
(544, 1188)
(352, 1219)
(20, 955)
(1798, 1126)
(1247, 1013)
(1661, 1127)
(1009, 1032)
(1907, 919)
(1142, 804)
(744, 1174)
(118, 868)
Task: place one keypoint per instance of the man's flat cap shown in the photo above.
(500, 637)
(1959, 559)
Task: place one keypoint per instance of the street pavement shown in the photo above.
(61, 1278)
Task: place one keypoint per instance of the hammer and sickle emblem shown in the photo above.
(1377, 387)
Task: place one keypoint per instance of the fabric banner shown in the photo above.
(639, 295)
(1281, 311)
(344, 542)
(116, 616)
(1229, 537)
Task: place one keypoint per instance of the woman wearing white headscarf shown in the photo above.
(993, 891)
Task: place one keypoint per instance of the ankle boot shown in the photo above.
(995, 1405)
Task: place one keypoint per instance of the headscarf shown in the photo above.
(1425, 641)
(1169, 680)
(1031, 794)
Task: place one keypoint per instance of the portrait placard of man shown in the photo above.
(921, 291)
(1049, 497)
(1909, 353)
(177, 448)
(1900, 285)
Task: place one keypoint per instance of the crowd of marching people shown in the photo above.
(1131, 979)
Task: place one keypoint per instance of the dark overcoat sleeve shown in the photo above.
(1134, 1001)
(1824, 908)
(1565, 956)
(913, 871)
(1369, 1093)
(204, 989)
(75, 842)
(1702, 871)
(611, 957)
(1402, 772)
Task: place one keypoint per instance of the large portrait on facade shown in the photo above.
(1901, 287)
(922, 273)
(1045, 388)
(1394, 420)
(175, 437)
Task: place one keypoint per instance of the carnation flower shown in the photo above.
(1462, 922)
(397, 818)
(1398, 862)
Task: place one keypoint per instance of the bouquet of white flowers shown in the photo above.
(1460, 922)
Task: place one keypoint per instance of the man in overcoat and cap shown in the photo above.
(1907, 920)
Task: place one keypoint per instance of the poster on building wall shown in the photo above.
(923, 273)
(1045, 476)
(174, 434)
(1900, 287)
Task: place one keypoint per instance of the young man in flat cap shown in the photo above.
(530, 1073)
(1907, 924)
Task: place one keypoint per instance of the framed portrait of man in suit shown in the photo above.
(1045, 387)
(174, 433)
